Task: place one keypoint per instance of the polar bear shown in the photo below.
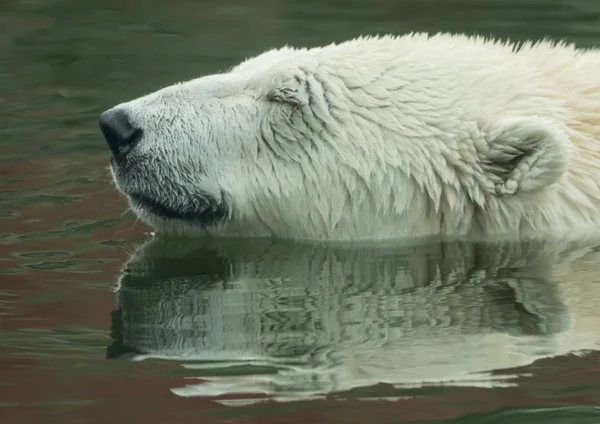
(375, 138)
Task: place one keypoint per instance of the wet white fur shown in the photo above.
(378, 138)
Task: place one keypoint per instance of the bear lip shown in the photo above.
(209, 210)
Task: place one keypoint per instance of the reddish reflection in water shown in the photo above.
(78, 389)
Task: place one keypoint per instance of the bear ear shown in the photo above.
(525, 155)
(288, 89)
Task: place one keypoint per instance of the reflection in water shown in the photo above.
(298, 321)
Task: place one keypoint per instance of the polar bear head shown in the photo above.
(370, 139)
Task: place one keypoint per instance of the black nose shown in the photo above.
(120, 135)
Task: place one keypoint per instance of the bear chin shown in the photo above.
(167, 206)
(206, 211)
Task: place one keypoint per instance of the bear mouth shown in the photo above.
(206, 210)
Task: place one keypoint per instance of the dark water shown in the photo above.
(100, 323)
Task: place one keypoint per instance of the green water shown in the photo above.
(101, 323)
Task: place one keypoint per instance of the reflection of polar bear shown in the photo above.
(370, 139)
(331, 319)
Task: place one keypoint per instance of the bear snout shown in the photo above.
(119, 133)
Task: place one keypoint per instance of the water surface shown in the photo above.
(99, 322)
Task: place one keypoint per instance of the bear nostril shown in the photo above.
(120, 135)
